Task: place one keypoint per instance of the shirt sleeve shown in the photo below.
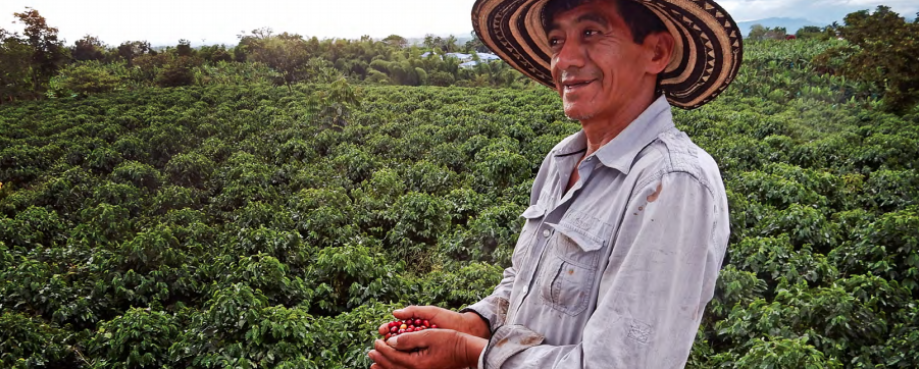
(660, 276)
(494, 307)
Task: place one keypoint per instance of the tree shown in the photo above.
(240, 53)
(88, 48)
(129, 50)
(759, 32)
(263, 33)
(883, 52)
(88, 78)
(148, 67)
(285, 53)
(777, 33)
(395, 41)
(807, 32)
(48, 53)
(246, 42)
(476, 45)
(15, 66)
(832, 31)
(178, 72)
(184, 48)
(449, 44)
(214, 54)
(431, 41)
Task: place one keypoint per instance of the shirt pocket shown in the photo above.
(567, 281)
(534, 216)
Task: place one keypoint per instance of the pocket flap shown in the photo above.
(533, 212)
(589, 233)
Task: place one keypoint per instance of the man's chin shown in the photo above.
(578, 114)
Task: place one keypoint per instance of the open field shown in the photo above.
(260, 226)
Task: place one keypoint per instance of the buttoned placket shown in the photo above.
(585, 169)
(601, 195)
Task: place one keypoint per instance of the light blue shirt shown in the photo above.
(616, 272)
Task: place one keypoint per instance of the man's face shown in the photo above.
(596, 65)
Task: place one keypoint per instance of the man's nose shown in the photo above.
(571, 55)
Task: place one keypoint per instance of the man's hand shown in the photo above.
(469, 323)
(431, 348)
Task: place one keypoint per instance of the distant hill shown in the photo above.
(791, 24)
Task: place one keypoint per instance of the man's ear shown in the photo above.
(660, 46)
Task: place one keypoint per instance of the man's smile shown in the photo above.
(575, 85)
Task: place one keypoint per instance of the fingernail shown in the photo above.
(392, 341)
(372, 354)
(397, 311)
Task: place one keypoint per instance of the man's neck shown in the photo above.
(601, 130)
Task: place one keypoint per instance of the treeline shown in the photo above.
(38, 64)
(758, 32)
(880, 49)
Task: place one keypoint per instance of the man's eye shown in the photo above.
(554, 41)
(590, 32)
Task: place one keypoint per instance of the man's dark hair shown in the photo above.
(640, 20)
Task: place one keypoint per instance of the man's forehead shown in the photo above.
(588, 11)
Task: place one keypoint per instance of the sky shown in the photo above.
(164, 22)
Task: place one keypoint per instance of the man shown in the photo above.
(628, 221)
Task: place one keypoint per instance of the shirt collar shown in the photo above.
(621, 151)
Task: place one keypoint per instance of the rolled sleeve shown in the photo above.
(660, 276)
(494, 307)
(507, 341)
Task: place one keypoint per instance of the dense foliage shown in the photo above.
(244, 224)
(878, 52)
(882, 51)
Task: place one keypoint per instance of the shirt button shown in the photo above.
(546, 233)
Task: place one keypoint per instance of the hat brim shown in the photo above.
(707, 54)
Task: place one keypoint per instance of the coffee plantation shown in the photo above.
(250, 225)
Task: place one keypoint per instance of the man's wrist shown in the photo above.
(473, 349)
(476, 325)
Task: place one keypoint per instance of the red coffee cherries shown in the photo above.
(398, 327)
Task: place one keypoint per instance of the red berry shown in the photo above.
(409, 330)
(417, 322)
(433, 325)
(388, 335)
(421, 328)
(426, 323)
(393, 324)
(401, 331)
(394, 329)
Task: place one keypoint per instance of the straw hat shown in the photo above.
(707, 52)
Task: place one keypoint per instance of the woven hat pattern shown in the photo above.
(708, 47)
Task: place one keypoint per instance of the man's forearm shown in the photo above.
(476, 325)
